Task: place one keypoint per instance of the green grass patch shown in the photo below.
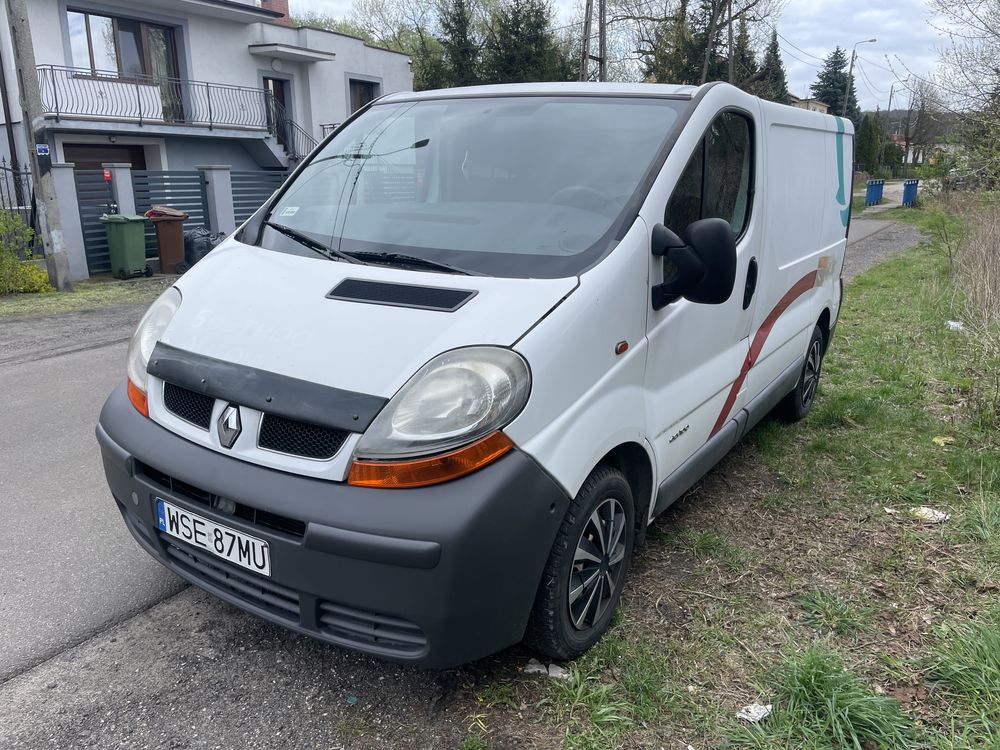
(821, 704)
(830, 613)
(94, 294)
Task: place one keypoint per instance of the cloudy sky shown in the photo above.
(810, 29)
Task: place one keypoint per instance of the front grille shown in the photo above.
(280, 601)
(299, 438)
(361, 628)
(253, 516)
(192, 407)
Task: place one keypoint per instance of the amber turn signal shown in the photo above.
(434, 470)
(138, 398)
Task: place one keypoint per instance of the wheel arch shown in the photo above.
(824, 325)
(633, 460)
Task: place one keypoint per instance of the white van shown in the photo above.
(425, 402)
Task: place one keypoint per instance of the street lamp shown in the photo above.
(850, 73)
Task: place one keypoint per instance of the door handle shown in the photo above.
(751, 285)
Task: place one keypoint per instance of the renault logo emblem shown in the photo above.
(229, 425)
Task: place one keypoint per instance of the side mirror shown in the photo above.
(701, 267)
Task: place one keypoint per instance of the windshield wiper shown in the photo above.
(399, 259)
(306, 241)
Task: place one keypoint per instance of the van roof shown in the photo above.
(576, 88)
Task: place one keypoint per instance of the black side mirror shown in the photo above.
(701, 267)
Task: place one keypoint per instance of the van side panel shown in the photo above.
(805, 198)
(585, 399)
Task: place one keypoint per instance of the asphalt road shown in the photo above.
(70, 568)
(101, 647)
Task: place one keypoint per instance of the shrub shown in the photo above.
(17, 276)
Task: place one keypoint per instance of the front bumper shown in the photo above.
(436, 576)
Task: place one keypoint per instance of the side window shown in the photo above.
(716, 181)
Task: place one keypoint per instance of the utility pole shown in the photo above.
(588, 13)
(602, 43)
(601, 58)
(38, 147)
(850, 73)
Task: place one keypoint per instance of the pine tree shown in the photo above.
(744, 60)
(773, 84)
(868, 144)
(707, 38)
(460, 50)
(521, 46)
(830, 84)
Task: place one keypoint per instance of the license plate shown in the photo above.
(236, 547)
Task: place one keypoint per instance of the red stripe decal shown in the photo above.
(802, 286)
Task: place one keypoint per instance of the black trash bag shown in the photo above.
(197, 244)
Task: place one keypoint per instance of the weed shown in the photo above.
(830, 612)
(821, 704)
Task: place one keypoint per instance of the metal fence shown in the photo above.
(94, 196)
(110, 95)
(17, 199)
(251, 189)
(183, 190)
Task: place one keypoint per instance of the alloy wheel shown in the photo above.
(597, 564)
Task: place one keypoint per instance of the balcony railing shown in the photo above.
(109, 95)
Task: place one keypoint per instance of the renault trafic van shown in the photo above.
(425, 402)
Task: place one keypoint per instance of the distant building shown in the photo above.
(813, 105)
(170, 84)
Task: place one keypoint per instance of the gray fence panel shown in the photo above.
(95, 197)
(251, 189)
(183, 190)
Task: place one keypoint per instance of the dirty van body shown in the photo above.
(426, 401)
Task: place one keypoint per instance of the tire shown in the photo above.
(561, 628)
(797, 404)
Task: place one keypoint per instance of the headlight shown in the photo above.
(455, 399)
(148, 332)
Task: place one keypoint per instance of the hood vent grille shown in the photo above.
(401, 295)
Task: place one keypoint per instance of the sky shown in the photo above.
(809, 30)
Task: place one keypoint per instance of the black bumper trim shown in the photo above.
(458, 563)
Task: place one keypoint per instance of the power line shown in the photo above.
(808, 54)
(872, 88)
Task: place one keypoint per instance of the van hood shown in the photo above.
(270, 310)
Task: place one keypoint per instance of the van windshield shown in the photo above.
(506, 186)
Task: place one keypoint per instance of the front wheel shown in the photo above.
(586, 570)
(797, 404)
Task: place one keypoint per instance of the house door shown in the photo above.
(277, 108)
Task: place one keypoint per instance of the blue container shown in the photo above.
(873, 192)
(910, 192)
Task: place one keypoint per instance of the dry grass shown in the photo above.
(977, 268)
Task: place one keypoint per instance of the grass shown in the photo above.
(94, 294)
(823, 704)
(782, 579)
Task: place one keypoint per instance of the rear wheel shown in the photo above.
(586, 570)
(797, 404)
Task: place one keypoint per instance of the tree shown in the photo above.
(868, 143)
(970, 77)
(773, 84)
(830, 84)
(520, 46)
(745, 70)
(461, 52)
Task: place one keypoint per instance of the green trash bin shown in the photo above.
(127, 244)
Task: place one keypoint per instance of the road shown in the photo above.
(101, 647)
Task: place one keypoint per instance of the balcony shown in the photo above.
(109, 96)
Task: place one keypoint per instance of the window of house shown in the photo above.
(362, 92)
(121, 45)
(716, 181)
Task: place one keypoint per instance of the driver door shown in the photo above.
(697, 351)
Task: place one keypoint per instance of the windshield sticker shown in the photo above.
(289, 211)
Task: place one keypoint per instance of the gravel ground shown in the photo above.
(26, 338)
(876, 247)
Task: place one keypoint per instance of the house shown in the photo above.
(171, 84)
(814, 105)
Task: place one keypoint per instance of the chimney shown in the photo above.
(281, 6)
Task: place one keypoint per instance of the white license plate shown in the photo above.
(236, 547)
